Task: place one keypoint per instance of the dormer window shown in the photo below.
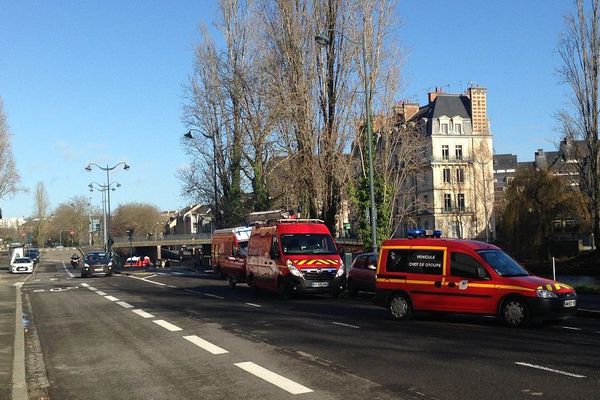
(444, 128)
(458, 128)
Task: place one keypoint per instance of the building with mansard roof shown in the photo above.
(455, 192)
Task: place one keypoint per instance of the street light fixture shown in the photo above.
(324, 41)
(108, 189)
(212, 137)
(104, 189)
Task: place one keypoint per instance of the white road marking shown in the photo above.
(67, 271)
(123, 304)
(172, 287)
(589, 311)
(167, 325)
(273, 378)
(571, 328)
(192, 291)
(142, 313)
(253, 305)
(213, 295)
(111, 298)
(85, 284)
(39, 290)
(208, 270)
(178, 273)
(101, 293)
(208, 346)
(151, 276)
(146, 280)
(550, 370)
(346, 325)
(92, 288)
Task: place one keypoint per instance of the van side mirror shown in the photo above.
(274, 252)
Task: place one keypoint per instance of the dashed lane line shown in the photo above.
(253, 305)
(124, 304)
(143, 313)
(100, 292)
(206, 345)
(111, 298)
(92, 288)
(85, 284)
(192, 291)
(346, 325)
(571, 328)
(167, 325)
(213, 296)
(275, 379)
(556, 371)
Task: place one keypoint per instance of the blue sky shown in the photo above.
(101, 81)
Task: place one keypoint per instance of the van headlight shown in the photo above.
(340, 271)
(545, 294)
(293, 270)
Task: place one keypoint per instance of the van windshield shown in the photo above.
(502, 263)
(310, 243)
(243, 248)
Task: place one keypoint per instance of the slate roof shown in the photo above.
(451, 105)
(505, 161)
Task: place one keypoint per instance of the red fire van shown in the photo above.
(464, 276)
(228, 253)
(294, 255)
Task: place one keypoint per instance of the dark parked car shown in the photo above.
(34, 254)
(362, 274)
(96, 263)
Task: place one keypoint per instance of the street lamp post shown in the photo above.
(105, 190)
(212, 137)
(324, 41)
(107, 169)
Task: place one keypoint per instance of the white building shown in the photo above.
(457, 185)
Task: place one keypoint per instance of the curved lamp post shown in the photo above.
(104, 189)
(107, 186)
(189, 136)
(324, 41)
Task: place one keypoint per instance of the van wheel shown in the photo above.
(252, 285)
(515, 312)
(232, 282)
(352, 290)
(400, 307)
(283, 292)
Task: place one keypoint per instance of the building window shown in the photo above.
(458, 128)
(445, 152)
(447, 201)
(458, 152)
(460, 201)
(446, 174)
(460, 175)
(445, 128)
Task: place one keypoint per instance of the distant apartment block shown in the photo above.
(11, 223)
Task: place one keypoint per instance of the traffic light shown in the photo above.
(130, 233)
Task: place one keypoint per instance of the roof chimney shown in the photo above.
(433, 95)
(405, 110)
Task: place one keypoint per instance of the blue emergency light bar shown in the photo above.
(415, 233)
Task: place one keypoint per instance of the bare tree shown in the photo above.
(579, 49)
(483, 188)
(40, 212)
(9, 177)
(139, 216)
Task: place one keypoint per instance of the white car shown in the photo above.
(22, 265)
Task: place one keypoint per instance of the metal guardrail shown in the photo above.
(163, 239)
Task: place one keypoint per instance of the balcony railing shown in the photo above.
(452, 160)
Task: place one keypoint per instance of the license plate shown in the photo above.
(22, 268)
(320, 284)
(98, 269)
(570, 303)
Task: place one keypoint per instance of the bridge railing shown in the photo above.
(162, 239)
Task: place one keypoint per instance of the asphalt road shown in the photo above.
(178, 335)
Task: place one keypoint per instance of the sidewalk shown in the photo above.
(7, 334)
